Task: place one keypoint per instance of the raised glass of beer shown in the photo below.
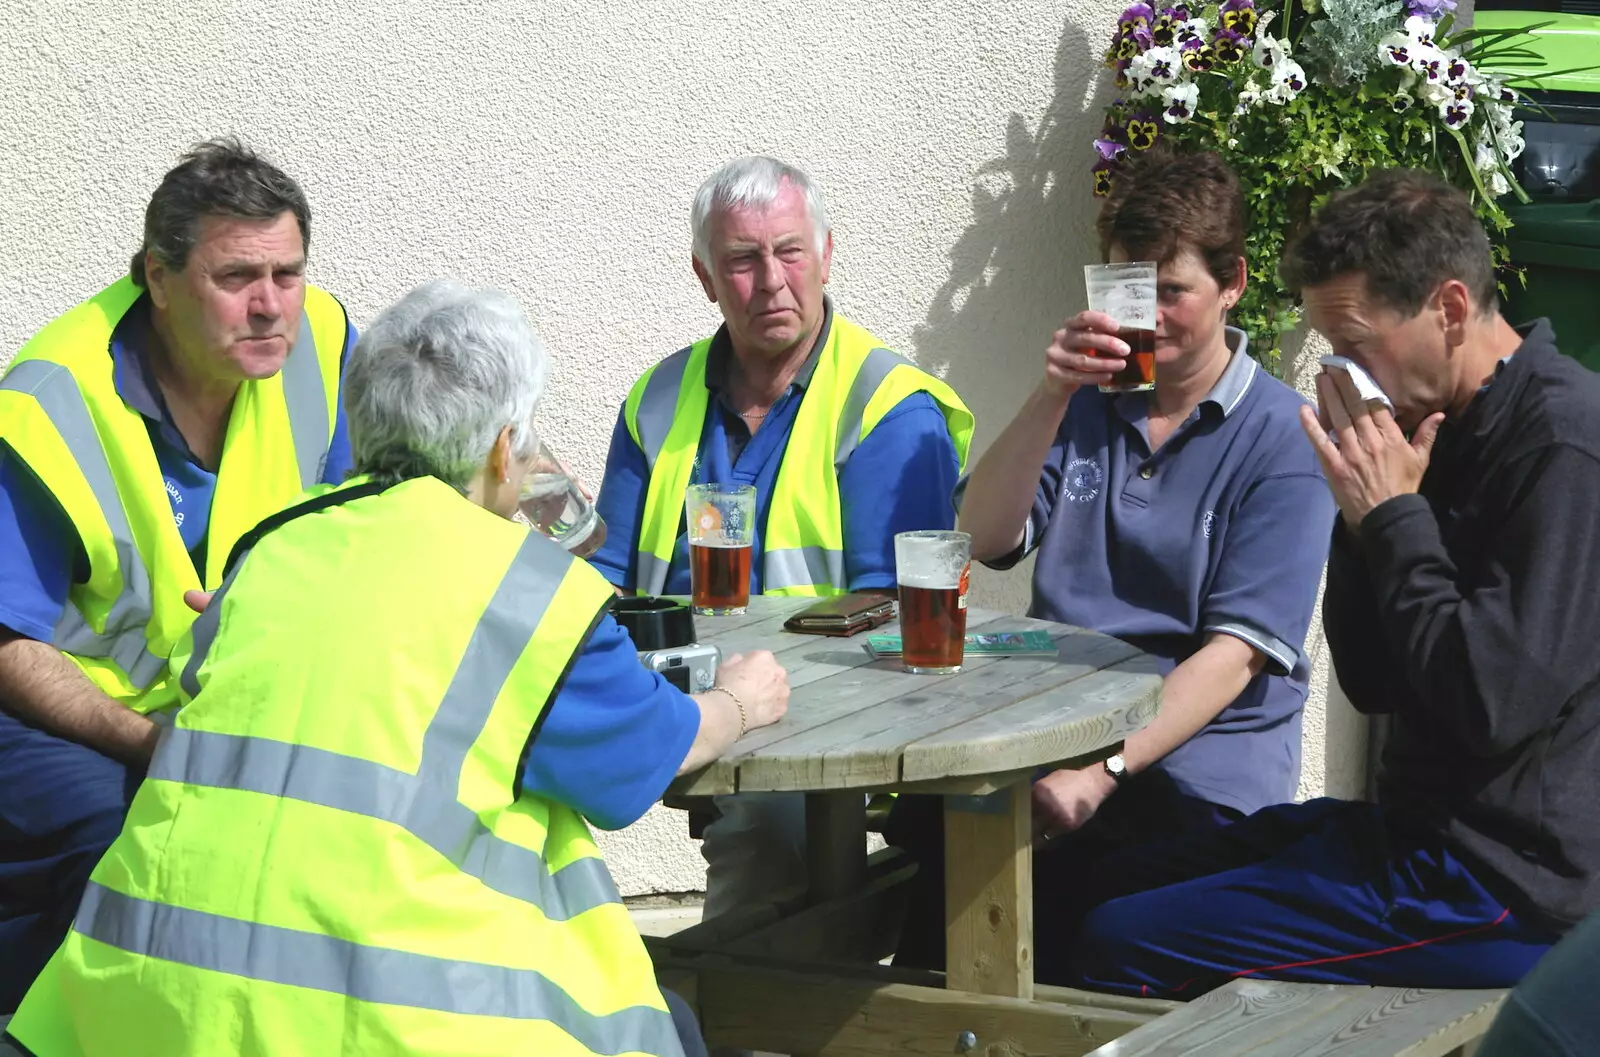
(722, 520)
(1127, 293)
(933, 569)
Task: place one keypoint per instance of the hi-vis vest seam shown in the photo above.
(54, 388)
(123, 640)
(370, 974)
(423, 804)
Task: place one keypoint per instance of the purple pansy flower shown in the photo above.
(1457, 69)
(1197, 56)
(1102, 175)
(1432, 10)
(1109, 148)
(1143, 129)
(1239, 16)
(1228, 46)
(1456, 112)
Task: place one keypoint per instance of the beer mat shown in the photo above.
(977, 644)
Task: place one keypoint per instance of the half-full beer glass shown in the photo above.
(932, 569)
(722, 520)
(1127, 293)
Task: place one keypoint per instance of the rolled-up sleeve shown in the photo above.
(614, 736)
(1274, 549)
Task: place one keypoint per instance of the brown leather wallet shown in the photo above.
(843, 615)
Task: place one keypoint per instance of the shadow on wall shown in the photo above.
(1016, 272)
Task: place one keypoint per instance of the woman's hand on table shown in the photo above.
(1064, 800)
(758, 681)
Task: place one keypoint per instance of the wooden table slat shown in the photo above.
(1263, 1018)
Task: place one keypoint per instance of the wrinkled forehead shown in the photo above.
(1345, 307)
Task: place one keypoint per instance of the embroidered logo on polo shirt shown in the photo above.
(177, 501)
(1081, 482)
(1208, 522)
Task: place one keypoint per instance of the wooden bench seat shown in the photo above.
(1263, 1018)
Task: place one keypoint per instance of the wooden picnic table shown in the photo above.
(801, 975)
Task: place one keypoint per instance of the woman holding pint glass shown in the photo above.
(1157, 475)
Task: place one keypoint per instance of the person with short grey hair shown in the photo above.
(398, 713)
(140, 434)
(845, 443)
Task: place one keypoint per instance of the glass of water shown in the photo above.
(556, 506)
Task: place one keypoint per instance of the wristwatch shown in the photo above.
(1117, 768)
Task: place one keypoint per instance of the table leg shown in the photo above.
(836, 844)
(988, 873)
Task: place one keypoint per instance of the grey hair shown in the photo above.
(752, 183)
(434, 380)
(220, 177)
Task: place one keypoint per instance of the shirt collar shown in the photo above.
(721, 352)
(1229, 391)
(130, 368)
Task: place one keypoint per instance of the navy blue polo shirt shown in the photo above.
(899, 478)
(40, 555)
(1225, 529)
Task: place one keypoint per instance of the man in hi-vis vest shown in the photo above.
(141, 434)
(845, 442)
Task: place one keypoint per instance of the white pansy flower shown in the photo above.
(1434, 93)
(1420, 30)
(1397, 49)
(1150, 71)
(1288, 81)
(1181, 99)
(1269, 51)
(1194, 29)
(1429, 62)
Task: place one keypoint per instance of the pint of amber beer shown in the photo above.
(932, 569)
(722, 520)
(1128, 294)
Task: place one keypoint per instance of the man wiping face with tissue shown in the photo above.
(1456, 603)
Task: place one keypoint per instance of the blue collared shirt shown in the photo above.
(899, 479)
(1224, 528)
(40, 554)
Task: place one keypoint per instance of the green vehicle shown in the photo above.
(1556, 240)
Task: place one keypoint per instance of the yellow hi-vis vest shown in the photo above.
(331, 854)
(856, 382)
(61, 415)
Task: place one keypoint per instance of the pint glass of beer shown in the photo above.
(932, 569)
(1127, 293)
(722, 520)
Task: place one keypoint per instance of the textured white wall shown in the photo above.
(551, 148)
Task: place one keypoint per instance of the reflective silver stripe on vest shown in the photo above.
(658, 405)
(369, 974)
(306, 397)
(424, 804)
(874, 369)
(802, 567)
(651, 575)
(123, 640)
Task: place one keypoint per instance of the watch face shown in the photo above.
(1115, 767)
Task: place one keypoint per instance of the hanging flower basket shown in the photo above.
(1303, 99)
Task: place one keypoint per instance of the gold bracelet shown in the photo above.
(743, 722)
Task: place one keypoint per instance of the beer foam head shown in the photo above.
(932, 580)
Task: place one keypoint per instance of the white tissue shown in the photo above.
(1364, 384)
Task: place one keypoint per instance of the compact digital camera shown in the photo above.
(691, 668)
(663, 632)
